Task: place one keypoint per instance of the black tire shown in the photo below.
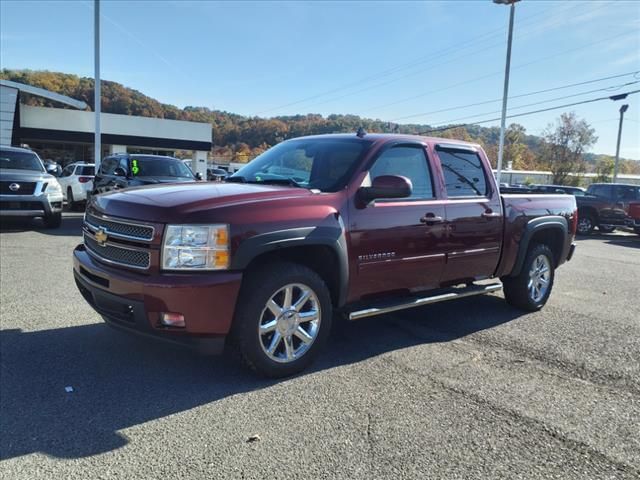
(53, 220)
(606, 229)
(516, 289)
(71, 203)
(586, 224)
(258, 287)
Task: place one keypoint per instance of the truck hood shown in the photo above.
(10, 175)
(183, 202)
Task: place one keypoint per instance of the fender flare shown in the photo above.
(333, 237)
(554, 222)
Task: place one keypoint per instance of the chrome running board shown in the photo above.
(413, 302)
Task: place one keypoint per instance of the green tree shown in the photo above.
(604, 169)
(565, 142)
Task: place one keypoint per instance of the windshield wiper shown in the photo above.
(236, 179)
(279, 181)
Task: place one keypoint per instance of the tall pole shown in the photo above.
(505, 94)
(623, 109)
(96, 78)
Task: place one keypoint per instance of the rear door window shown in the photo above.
(464, 174)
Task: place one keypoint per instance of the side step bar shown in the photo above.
(451, 294)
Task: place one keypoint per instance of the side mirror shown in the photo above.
(386, 186)
(52, 170)
(119, 172)
(198, 176)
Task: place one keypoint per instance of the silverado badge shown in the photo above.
(101, 236)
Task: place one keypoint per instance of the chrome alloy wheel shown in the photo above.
(584, 225)
(539, 278)
(289, 323)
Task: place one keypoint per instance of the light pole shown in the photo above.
(623, 109)
(97, 154)
(503, 120)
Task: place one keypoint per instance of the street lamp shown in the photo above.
(97, 103)
(623, 109)
(503, 119)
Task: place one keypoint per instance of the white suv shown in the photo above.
(77, 181)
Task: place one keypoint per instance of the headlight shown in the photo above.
(53, 188)
(196, 247)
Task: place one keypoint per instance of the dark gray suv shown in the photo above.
(26, 190)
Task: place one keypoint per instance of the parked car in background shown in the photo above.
(634, 217)
(125, 170)
(76, 181)
(26, 189)
(606, 206)
(367, 224)
(575, 191)
(216, 174)
(52, 168)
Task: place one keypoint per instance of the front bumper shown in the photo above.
(134, 302)
(30, 205)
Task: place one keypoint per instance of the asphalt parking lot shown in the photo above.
(471, 389)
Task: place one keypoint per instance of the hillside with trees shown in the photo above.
(239, 138)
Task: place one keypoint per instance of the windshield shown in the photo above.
(11, 160)
(322, 164)
(159, 167)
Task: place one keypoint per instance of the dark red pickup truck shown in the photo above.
(607, 206)
(357, 224)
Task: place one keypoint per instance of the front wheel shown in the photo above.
(53, 220)
(606, 228)
(530, 289)
(283, 318)
(586, 224)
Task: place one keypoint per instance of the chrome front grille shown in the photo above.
(17, 188)
(118, 254)
(116, 228)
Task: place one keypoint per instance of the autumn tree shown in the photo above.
(564, 144)
(604, 169)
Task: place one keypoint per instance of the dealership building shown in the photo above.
(66, 135)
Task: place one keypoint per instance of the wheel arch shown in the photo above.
(550, 230)
(322, 249)
(588, 210)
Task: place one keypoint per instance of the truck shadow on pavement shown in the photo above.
(120, 381)
(71, 226)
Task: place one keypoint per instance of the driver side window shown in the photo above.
(410, 162)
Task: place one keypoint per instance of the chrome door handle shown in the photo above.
(431, 219)
(491, 214)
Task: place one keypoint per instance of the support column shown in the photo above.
(117, 149)
(199, 162)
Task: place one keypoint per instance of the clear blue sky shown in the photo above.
(384, 60)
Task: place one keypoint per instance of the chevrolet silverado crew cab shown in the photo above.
(359, 224)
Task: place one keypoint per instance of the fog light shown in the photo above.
(170, 319)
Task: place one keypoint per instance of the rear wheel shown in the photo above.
(70, 200)
(530, 289)
(586, 224)
(283, 318)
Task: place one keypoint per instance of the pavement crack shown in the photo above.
(575, 445)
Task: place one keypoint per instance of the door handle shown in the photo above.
(490, 214)
(431, 219)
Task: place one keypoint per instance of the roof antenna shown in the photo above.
(361, 133)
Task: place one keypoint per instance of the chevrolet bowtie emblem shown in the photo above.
(101, 236)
